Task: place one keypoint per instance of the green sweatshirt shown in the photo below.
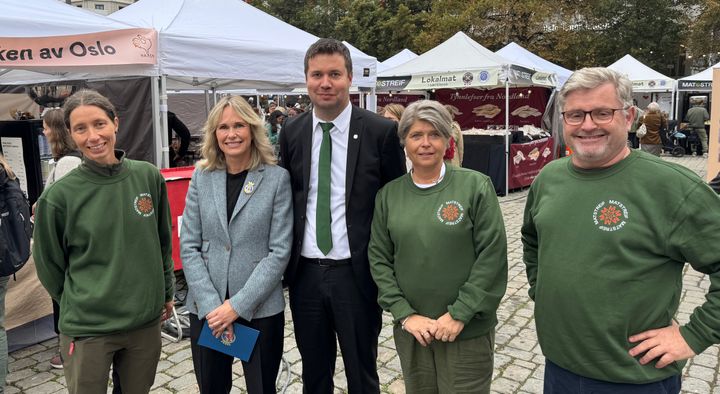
(102, 247)
(605, 250)
(441, 249)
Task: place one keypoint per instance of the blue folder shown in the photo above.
(240, 345)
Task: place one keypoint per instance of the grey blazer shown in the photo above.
(246, 256)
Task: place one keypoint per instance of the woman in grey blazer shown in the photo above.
(235, 243)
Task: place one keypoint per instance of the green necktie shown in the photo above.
(322, 212)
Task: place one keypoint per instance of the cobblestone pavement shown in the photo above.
(518, 359)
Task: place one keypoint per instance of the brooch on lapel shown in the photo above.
(249, 187)
(355, 136)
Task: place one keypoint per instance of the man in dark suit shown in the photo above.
(338, 157)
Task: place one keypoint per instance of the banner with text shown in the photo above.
(484, 109)
(126, 46)
(403, 99)
(526, 161)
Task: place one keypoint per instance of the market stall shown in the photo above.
(648, 84)
(519, 55)
(696, 85)
(494, 92)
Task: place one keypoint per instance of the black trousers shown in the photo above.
(213, 370)
(325, 301)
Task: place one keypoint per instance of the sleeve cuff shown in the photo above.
(458, 311)
(401, 310)
(694, 341)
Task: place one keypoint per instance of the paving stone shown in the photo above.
(34, 380)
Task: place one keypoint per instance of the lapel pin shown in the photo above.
(249, 187)
(355, 136)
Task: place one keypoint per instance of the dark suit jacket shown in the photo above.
(373, 159)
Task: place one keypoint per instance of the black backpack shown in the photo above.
(15, 226)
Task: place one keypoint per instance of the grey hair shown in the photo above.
(592, 77)
(653, 107)
(429, 111)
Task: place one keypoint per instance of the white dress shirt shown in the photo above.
(339, 137)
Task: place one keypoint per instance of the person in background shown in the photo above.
(633, 141)
(66, 158)
(177, 158)
(456, 146)
(394, 112)
(235, 244)
(607, 295)
(6, 175)
(114, 283)
(338, 156)
(654, 122)
(696, 117)
(273, 126)
(438, 254)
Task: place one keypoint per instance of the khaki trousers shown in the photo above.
(134, 354)
(463, 366)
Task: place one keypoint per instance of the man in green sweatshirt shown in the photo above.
(606, 235)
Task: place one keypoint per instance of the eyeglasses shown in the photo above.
(599, 116)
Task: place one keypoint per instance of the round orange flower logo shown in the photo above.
(610, 215)
(450, 213)
(143, 205)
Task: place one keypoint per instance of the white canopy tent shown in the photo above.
(396, 60)
(227, 44)
(460, 62)
(645, 79)
(519, 55)
(700, 82)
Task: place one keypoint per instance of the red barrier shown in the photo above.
(178, 181)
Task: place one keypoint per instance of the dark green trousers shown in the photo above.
(463, 366)
(134, 354)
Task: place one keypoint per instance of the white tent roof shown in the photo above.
(396, 60)
(701, 81)
(644, 78)
(458, 53)
(462, 62)
(519, 55)
(48, 18)
(227, 43)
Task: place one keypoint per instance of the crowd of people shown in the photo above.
(358, 213)
(651, 129)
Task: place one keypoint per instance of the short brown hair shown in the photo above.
(329, 46)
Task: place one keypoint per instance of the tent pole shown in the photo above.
(678, 117)
(507, 136)
(164, 137)
(157, 128)
(672, 102)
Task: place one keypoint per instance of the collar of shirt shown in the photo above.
(341, 123)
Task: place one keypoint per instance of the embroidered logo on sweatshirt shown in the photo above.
(450, 213)
(144, 205)
(610, 215)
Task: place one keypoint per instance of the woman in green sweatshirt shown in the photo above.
(103, 252)
(438, 254)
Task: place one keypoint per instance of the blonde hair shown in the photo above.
(6, 166)
(395, 109)
(261, 152)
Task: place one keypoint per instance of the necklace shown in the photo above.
(435, 182)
